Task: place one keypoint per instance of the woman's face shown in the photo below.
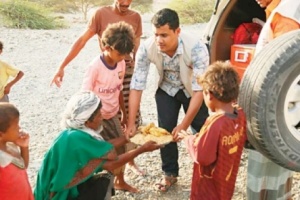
(95, 122)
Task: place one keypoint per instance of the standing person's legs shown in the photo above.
(168, 109)
(112, 129)
(126, 88)
(125, 92)
(4, 98)
(267, 180)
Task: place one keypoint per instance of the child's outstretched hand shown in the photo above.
(23, 140)
(182, 134)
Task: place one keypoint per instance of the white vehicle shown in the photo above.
(270, 88)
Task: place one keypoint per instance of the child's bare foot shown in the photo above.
(135, 169)
(125, 187)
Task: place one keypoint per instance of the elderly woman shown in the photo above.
(71, 165)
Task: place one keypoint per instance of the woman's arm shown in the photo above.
(118, 142)
(111, 165)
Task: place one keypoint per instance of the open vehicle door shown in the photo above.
(270, 88)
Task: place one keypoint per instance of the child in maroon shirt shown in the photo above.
(216, 150)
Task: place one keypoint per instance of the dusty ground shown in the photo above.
(38, 53)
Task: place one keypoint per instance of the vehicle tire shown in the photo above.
(270, 97)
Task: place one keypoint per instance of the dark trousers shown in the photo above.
(168, 108)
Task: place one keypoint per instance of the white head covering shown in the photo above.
(79, 109)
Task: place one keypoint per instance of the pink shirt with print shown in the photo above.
(106, 81)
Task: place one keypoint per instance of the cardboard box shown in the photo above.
(240, 56)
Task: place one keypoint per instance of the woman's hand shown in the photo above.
(150, 146)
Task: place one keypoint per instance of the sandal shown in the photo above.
(165, 183)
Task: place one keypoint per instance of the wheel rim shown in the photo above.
(292, 108)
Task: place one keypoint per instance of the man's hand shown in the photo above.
(176, 130)
(130, 131)
(58, 78)
(181, 135)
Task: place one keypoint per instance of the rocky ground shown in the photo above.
(38, 53)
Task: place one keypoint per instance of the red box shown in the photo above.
(240, 56)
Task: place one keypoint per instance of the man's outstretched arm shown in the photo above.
(75, 49)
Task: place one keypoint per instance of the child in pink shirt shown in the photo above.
(105, 77)
(14, 156)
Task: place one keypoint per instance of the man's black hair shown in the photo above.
(166, 16)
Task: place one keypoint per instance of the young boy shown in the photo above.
(105, 77)
(216, 150)
(5, 72)
(14, 156)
